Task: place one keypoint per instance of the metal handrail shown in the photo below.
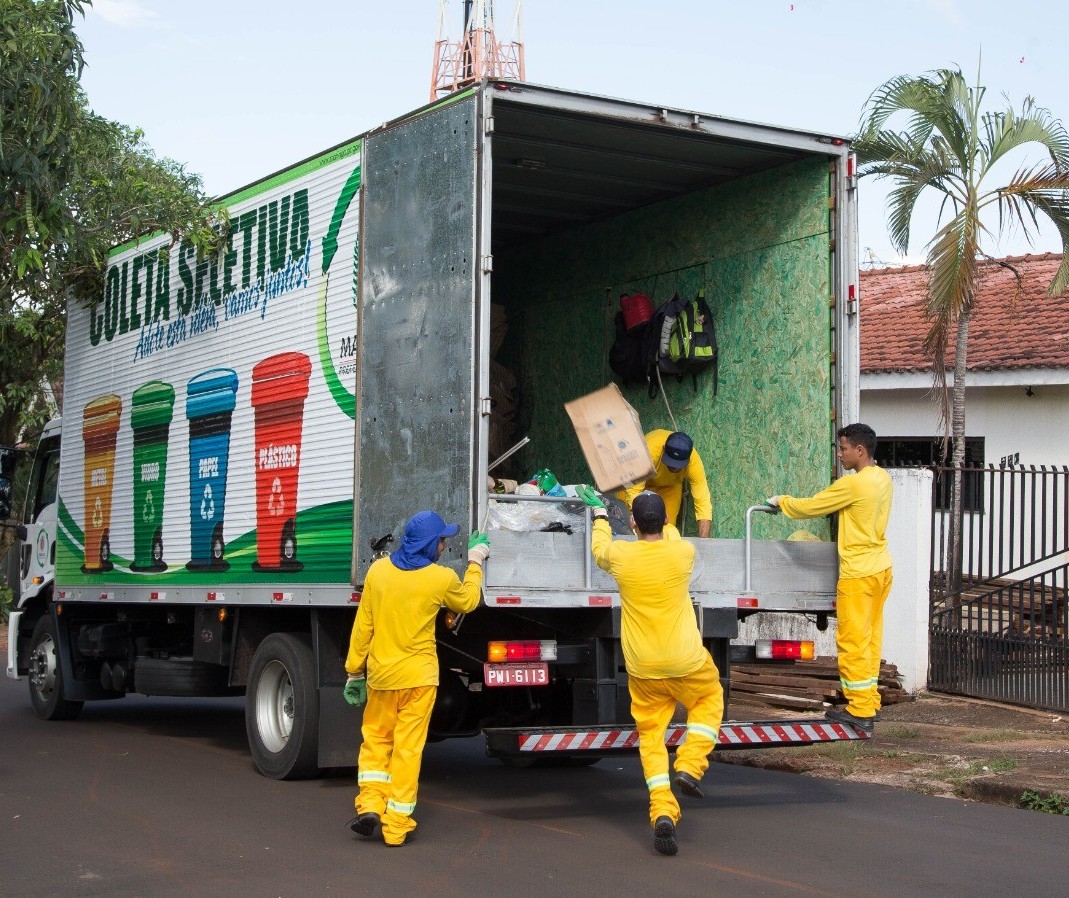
(767, 509)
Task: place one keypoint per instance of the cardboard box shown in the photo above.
(611, 437)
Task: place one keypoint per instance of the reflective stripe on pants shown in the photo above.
(859, 605)
(653, 702)
(394, 731)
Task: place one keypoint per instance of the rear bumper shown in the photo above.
(605, 741)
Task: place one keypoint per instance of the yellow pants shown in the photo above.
(653, 702)
(395, 731)
(859, 605)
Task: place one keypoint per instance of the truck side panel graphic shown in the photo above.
(239, 377)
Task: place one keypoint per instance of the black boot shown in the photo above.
(664, 836)
(687, 784)
(365, 824)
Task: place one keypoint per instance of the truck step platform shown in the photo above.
(604, 740)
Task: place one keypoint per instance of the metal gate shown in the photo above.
(999, 616)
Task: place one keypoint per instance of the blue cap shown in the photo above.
(419, 545)
(426, 526)
(677, 449)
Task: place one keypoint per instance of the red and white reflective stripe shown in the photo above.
(784, 733)
(590, 740)
(756, 734)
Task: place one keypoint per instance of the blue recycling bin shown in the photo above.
(210, 400)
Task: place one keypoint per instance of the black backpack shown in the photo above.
(679, 339)
(633, 354)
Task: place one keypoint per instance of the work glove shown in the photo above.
(478, 547)
(356, 691)
(773, 501)
(591, 499)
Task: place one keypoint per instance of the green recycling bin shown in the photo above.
(151, 410)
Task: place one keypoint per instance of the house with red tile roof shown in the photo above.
(1017, 389)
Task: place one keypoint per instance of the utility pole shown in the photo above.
(478, 55)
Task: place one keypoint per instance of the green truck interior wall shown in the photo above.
(761, 248)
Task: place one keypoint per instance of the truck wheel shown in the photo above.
(46, 679)
(282, 708)
(178, 677)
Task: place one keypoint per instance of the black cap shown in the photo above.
(677, 449)
(648, 511)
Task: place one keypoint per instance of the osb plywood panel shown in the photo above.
(760, 247)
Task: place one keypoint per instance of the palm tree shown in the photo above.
(952, 147)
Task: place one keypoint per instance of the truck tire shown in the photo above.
(177, 677)
(282, 708)
(46, 677)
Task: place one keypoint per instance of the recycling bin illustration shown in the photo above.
(151, 410)
(210, 400)
(100, 429)
(279, 388)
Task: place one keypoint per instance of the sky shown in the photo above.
(238, 89)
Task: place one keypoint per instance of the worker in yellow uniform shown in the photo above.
(675, 459)
(392, 646)
(862, 497)
(663, 652)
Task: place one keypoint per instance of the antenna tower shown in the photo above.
(478, 55)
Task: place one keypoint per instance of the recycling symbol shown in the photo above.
(207, 504)
(98, 514)
(276, 505)
(148, 513)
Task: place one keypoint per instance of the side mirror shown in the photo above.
(7, 471)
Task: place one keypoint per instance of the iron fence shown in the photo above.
(1000, 629)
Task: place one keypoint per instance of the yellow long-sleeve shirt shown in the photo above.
(393, 635)
(669, 484)
(864, 500)
(659, 631)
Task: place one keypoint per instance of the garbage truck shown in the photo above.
(244, 433)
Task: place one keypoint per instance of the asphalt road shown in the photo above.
(159, 797)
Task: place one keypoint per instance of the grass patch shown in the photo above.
(845, 754)
(899, 732)
(994, 736)
(957, 778)
(1045, 804)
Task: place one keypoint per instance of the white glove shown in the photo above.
(773, 501)
(478, 554)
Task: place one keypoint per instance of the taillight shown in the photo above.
(783, 649)
(525, 650)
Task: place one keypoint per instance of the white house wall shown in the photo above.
(1032, 429)
(1035, 427)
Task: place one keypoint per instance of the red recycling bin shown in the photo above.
(279, 388)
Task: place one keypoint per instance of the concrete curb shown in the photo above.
(1006, 788)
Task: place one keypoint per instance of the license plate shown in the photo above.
(534, 674)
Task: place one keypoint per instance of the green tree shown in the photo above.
(952, 147)
(72, 185)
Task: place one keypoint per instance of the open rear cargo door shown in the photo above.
(416, 415)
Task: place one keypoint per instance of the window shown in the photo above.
(924, 452)
(45, 475)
